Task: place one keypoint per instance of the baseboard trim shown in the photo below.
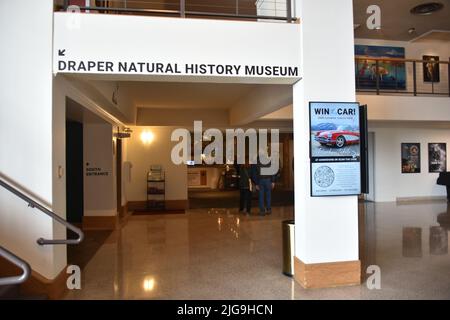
(412, 200)
(169, 204)
(176, 204)
(100, 223)
(327, 275)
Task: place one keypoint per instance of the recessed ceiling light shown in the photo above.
(427, 8)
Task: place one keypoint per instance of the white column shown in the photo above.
(27, 132)
(326, 228)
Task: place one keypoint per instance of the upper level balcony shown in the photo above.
(410, 77)
(252, 10)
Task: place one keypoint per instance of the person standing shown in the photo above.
(264, 185)
(245, 189)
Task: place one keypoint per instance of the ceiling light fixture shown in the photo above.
(427, 8)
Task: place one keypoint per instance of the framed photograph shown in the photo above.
(391, 74)
(410, 157)
(431, 72)
(437, 157)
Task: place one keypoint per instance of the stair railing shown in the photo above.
(33, 204)
(14, 280)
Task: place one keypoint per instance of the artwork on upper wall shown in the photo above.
(437, 157)
(391, 74)
(410, 157)
(431, 71)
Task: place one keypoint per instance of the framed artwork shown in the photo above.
(410, 157)
(391, 74)
(437, 157)
(431, 72)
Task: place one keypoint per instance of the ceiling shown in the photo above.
(78, 113)
(177, 95)
(396, 19)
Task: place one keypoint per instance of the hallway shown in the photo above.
(218, 254)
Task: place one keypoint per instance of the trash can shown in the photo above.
(288, 247)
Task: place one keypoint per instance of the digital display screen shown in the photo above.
(335, 149)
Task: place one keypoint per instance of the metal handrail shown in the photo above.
(33, 204)
(182, 12)
(26, 270)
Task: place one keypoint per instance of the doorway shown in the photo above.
(120, 208)
(371, 155)
(74, 172)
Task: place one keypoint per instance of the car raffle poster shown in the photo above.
(335, 149)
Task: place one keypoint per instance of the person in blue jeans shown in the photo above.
(264, 185)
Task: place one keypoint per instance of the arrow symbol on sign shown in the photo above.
(62, 52)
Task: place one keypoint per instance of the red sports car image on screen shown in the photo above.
(339, 138)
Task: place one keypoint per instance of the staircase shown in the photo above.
(10, 284)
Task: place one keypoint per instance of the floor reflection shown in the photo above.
(219, 254)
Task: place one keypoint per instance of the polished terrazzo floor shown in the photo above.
(219, 254)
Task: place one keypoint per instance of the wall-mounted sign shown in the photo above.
(153, 68)
(93, 171)
(335, 149)
(186, 50)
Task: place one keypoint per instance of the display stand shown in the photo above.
(156, 189)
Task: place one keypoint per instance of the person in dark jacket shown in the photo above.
(245, 189)
(264, 185)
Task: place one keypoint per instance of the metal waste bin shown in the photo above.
(288, 247)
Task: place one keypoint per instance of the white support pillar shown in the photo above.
(29, 132)
(326, 245)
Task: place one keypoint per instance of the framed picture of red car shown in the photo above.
(335, 149)
(411, 158)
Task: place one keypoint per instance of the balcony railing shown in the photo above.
(275, 10)
(402, 76)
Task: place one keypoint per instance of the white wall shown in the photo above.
(416, 50)
(201, 41)
(27, 132)
(99, 190)
(326, 228)
(390, 183)
(405, 108)
(141, 156)
(124, 104)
